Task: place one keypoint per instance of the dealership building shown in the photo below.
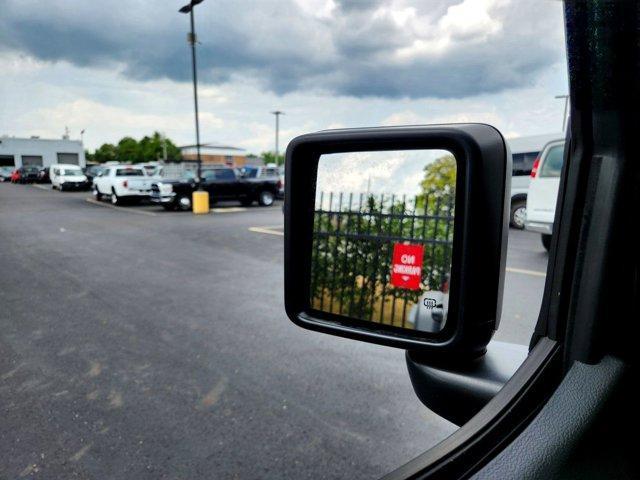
(18, 152)
(215, 154)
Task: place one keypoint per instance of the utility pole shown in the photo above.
(192, 39)
(277, 113)
(564, 116)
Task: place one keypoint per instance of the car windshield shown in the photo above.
(71, 172)
(130, 172)
(208, 173)
(224, 174)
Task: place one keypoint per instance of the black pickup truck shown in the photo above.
(247, 186)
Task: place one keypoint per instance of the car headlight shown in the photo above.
(165, 187)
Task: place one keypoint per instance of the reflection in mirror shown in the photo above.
(383, 237)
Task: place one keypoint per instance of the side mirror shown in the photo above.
(397, 236)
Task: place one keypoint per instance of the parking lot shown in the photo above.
(140, 343)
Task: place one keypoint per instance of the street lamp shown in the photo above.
(277, 113)
(564, 117)
(191, 38)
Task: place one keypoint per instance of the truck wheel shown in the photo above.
(546, 241)
(184, 203)
(114, 198)
(265, 198)
(61, 187)
(518, 214)
(96, 194)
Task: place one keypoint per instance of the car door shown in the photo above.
(224, 184)
(101, 181)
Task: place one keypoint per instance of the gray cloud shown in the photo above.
(362, 49)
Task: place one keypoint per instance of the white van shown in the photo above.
(543, 191)
(524, 151)
(67, 177)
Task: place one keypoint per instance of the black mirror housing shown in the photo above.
(479, 241)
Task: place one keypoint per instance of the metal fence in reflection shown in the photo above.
(354, 235)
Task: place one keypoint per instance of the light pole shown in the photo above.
(277, 113)
(564, 116)
(199, 198)
(191, 38)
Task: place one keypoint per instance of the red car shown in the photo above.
(15, 176)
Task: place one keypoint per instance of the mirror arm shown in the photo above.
(458, 391)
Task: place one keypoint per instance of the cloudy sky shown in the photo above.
(117, 67)
(390, 172)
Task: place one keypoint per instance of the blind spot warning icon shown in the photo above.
(429, 302)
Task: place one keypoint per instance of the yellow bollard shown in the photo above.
(200, 202)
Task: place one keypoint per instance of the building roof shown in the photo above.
(35, 138)
(211, 146)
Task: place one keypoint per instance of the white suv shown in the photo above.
(543, 190)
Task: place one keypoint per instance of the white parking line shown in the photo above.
(115, 207)
(228, 210)
(41, 187)
(523, 271)
(267, 230)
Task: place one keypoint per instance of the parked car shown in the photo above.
(249, 185)
(5, 173)
(68, 177)
(543, 191)
(43, 175)
(15, 176)
(524, 151)
(122, 182)
(28, 174)
(92, 172)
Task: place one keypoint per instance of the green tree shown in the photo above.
(106, 153)
(129, 150)
(440, 176)
(271, 157)
(152, 148)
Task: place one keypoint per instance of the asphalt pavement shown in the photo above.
(139, 343)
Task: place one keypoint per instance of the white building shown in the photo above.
(20, 152)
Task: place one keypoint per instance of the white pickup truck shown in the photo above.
(122, 182)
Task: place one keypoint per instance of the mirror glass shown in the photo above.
(383, 237)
